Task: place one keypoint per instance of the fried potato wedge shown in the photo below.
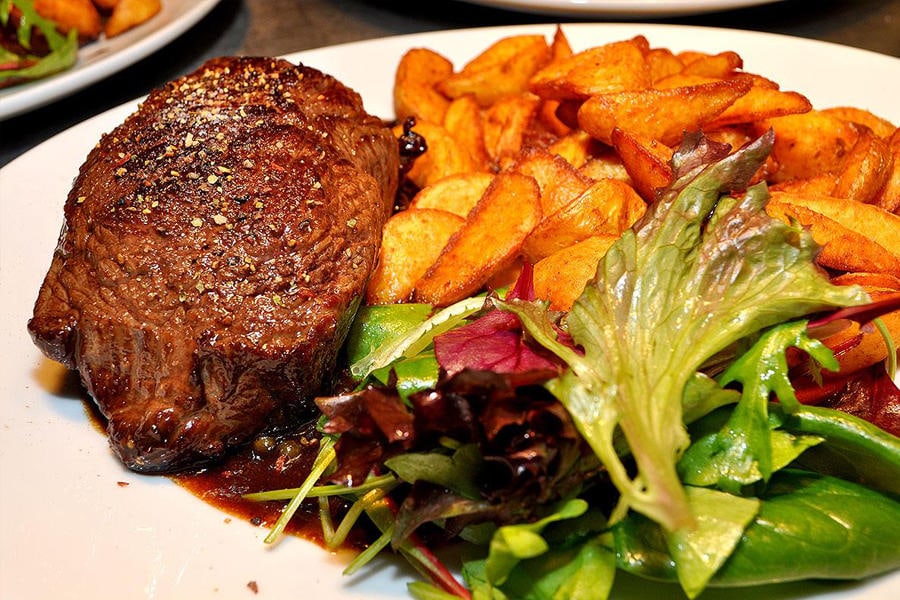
(866, 168)
(809, 144)
(415, 95)
(608, 206)
(489, 241)
(560, 278)
(764, 100)
(127, 14)
(445, 156)
(576, 148)
(870, 347)
(412, 241)
(662, 63)
(871, 280)
(889, 196)
(613, 67)
(606, 165)
(821, 185)
(854, 236)
(502, 70)
(457, 194)
(560, 48)
(720, 65)
(879, 126)
(505, 125)
(646, 161)
(72, 14)
(762, 103)
(463, 120)
(663, 115)
(559, 181)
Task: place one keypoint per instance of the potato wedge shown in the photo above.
(505, 125)
(872, 221)
(663, 115)
(866, 168)
(445, 156)
(662, 63)
(879, 126)
(463, 119)
(720, 65)
(613, 67)
(646, 161)
(81, 15)
(412, 241)
(607, 207)
(415, 95)
(889, 196)
(576, 148)
(128, 14)
(854, 236)
(457, 194)
(821, 185)
(606, 164)
(870, 349)
(872, 280)
(502, 70)
(809, 144)
(490, 240)
(559, 181)
(762, 103)
(560, 278)
(560, 48)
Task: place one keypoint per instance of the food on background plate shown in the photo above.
(215, 248)
(41, 37)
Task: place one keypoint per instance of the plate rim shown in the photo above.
(338, 590)
(621, 8)
(23, 98)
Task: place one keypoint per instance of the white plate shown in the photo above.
(106, 56)
(621, 8)
(68, 529)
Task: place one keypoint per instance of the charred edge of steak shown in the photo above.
(214, 251)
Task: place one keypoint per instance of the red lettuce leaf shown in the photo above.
(496, 341)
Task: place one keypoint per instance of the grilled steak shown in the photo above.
(214, 250)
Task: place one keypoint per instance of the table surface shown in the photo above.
(275, 27)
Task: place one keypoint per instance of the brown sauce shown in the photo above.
(269, 463)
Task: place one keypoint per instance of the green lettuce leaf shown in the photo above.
(700, 551)
(699, 272)
(63, 48)
(748, 447)
(561, 557)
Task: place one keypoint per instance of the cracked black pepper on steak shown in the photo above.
(215, 248)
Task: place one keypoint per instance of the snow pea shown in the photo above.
(809, 526)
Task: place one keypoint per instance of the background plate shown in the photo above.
(75, 524)
(106, 56)
(621, 8)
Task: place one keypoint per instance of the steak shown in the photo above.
(215, 247)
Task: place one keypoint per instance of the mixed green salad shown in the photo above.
(652, 429)
(32, 46)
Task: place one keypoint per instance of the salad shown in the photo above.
(652, 429)
(23, 56)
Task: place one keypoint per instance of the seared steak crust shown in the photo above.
(214, 250)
